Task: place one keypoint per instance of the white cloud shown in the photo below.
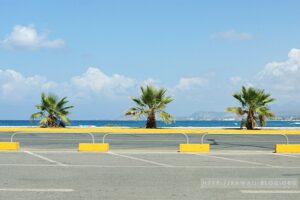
(232, 35)
(14, 85)
(190, 83)
(94, 80)
(92, 84)
(235, 80)
(283, 76)
(151, 81)
(27, 37)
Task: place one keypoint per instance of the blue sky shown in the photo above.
(98, 53)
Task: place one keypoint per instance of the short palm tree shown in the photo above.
(151, 101)
(254, 105)
(52, 111)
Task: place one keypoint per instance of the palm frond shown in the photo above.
(166, 117)
(44, 122)
(256, 101)
(37, 115)
(138, 101)
(151, 101)
(52, 111)
(237, 110)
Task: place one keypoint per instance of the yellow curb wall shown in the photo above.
(9, 146)
(194, 147)
(143, 130)
(287, 148)
(97, 147)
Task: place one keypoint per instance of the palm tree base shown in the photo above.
(151, 122)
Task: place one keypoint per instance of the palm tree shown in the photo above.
(52, 111)
(151, 101)
(254, 105)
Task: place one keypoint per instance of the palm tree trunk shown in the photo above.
(250, 125)
(51, 121)
(151, 121)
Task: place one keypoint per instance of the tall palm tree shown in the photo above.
(151, 101)
(52, 111)
(254, 105)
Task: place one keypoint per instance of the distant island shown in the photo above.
(226, 116)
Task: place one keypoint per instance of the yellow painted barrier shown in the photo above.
(9, 145)
(194, 147)
(100, 147)
(287, 148)
(143, 130)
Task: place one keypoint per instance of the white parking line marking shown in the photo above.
(186, 167)
(236, 160)
(44, 158)
(270, 191)
(146, 166)
(180, 167)
(35, 190)
(140, 159)
(140, 151)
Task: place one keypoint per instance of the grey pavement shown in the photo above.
(147, 141)
(159, 175)
(48, 166)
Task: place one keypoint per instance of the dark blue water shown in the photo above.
(131, 123)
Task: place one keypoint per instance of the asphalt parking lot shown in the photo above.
(159, 175)
(49, 167)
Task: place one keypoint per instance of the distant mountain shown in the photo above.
(288, 111)
(207, 115)
(284, 115)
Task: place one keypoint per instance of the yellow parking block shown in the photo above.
(100, 147)
(9, 145)
(194, 147)
(287, 148)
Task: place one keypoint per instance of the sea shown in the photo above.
(140, 123)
